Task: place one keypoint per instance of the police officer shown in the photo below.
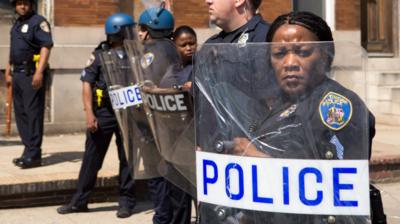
(102, 124)
(31, 43)
(241, 24)
(160, 55)
(238, 20)
(316, 117)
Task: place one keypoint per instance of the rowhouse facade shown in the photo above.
(77, 28)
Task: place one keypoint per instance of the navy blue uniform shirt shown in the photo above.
(304, 132)
(93, 72)
(253, 31)
(28, 36)
(160, 56)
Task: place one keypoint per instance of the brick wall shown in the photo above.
(191, 12)
(83, 12)
(188, 12)
(270, 9)
(195, 12)
(348, 14)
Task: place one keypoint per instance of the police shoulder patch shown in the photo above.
(45, 26)
(335, 111)
(147, 59)
(90, 60)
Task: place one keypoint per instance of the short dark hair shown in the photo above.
(255, 4)
(14, 2)
(311, 22)
(308, 20)
(183, 29)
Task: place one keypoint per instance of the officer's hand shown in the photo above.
(244, 147)
(8, 79)
(91, 123)
(37, 80)
(187, 86)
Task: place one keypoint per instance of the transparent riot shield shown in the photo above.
(126, 100)
(169, 110)
(279, 139)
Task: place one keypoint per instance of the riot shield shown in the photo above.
(126, 100)
(172, 115)
(169, 110)
(279, 139)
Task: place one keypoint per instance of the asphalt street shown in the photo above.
(104, 213)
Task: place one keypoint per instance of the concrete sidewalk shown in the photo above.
(55, 181)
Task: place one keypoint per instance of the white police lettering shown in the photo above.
(320, 187)
(166, 103)
(125, 97)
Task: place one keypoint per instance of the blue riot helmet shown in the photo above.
(117, 21)
(158, 21)
(118, 26)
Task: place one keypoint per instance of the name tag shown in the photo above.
(320, 187)
(178, 102)
(125, 97)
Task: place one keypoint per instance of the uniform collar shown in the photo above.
(249, 26)
(22, 19)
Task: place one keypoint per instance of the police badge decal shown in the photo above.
(335, 111)
(45, 26)
(25, 28)
(147, 59)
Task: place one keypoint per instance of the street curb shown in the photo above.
(57, 192)
(385, 169)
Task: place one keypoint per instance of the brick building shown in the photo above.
(77, 28)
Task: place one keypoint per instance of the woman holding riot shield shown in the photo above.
(311, 119)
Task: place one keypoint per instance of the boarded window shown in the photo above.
(376, 26)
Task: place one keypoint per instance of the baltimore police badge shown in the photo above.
(335, 111)
(147, 59)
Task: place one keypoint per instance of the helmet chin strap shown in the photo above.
(146, 37)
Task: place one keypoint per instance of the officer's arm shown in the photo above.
(43, 60)
(87, 97)
(87, 105)
(37, 79)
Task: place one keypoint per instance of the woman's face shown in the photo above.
(297, 65)
(186, 44)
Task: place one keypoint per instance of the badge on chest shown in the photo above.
(24, 28)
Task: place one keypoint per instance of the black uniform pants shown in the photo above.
(29, 113)
(95, 150)
(171, 204)
(159, 193)
(181, 203)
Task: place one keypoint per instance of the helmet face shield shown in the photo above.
(160, 33)
(129, 32)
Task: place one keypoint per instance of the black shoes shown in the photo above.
(124, 212)
(26, 163)
(66, 209)
(17, 160)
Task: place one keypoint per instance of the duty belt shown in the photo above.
(28, 67)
